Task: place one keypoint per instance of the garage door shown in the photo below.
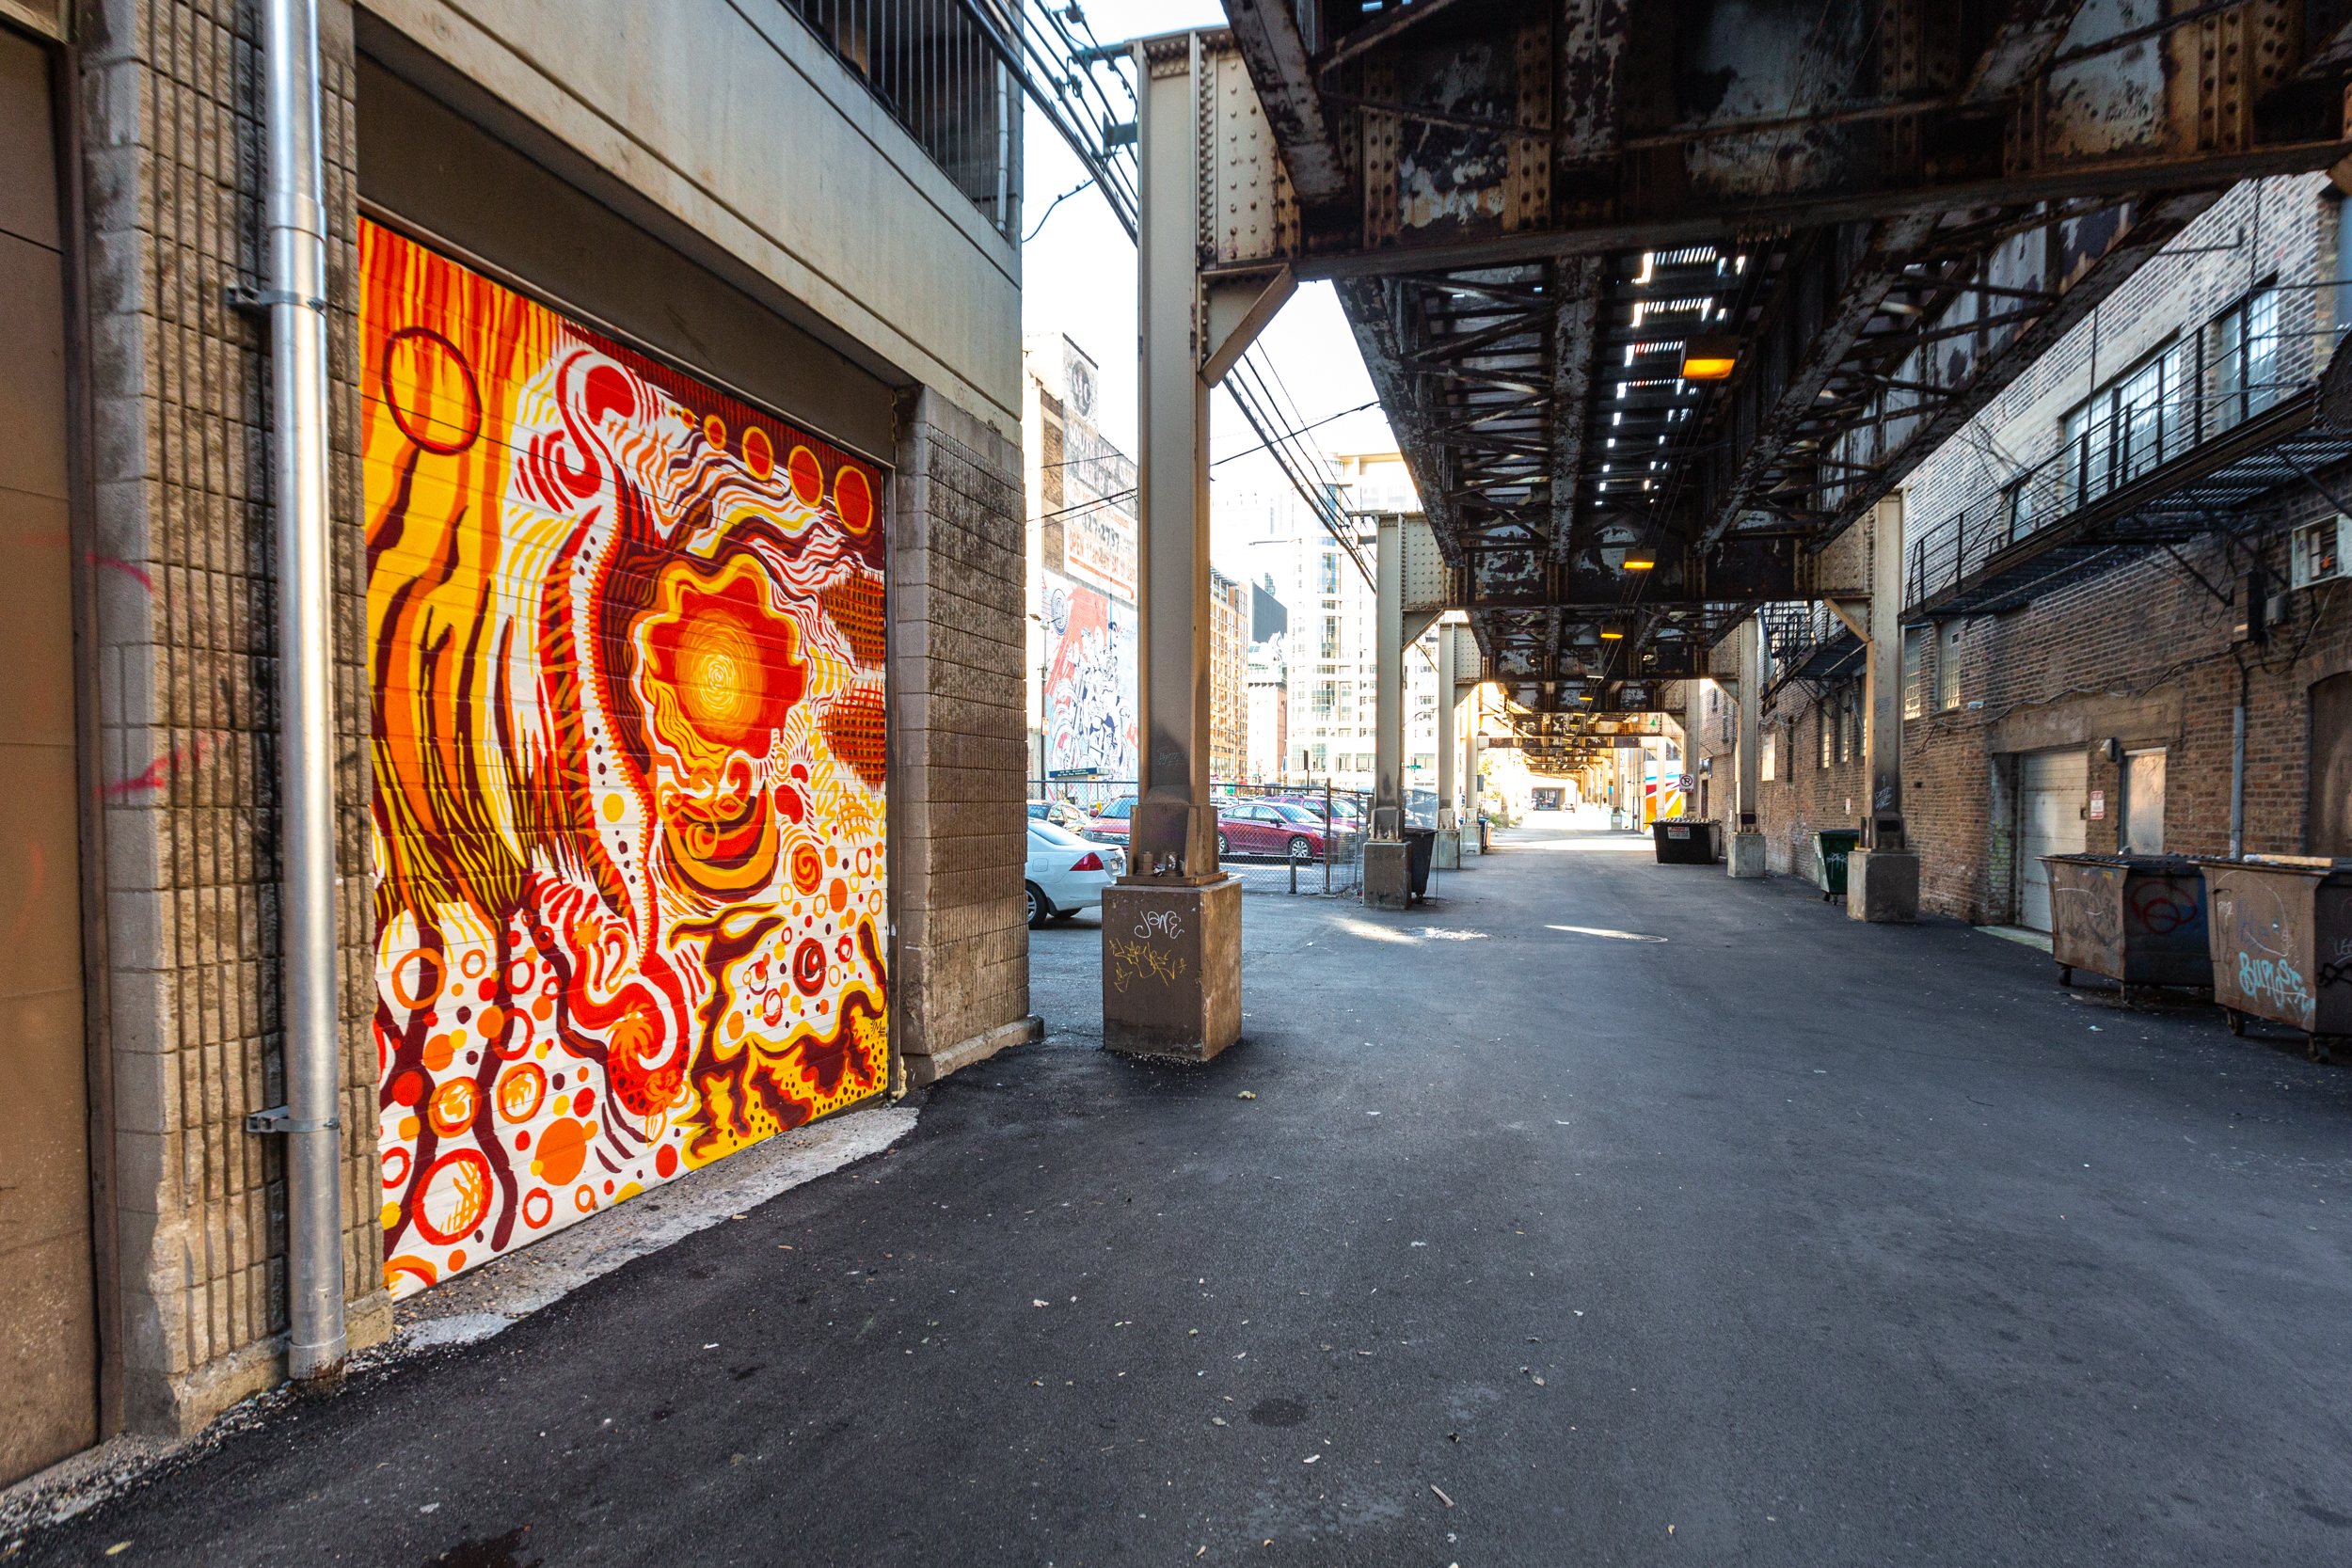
(2052, 788)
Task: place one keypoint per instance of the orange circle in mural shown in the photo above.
(515, 1037)
(809, 867)
(521, 1090)
(453, 1106)
(425, 989)
(807, 476)
(715, 431)
(395, 1175)
(760, 453)
(538, 1207)
(409, 1088)
(584, 1198)
(430, 390)
(453, 1196)
(563, 1149)
(837, 895)
(853, 498)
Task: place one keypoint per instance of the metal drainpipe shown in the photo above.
(2238, 769)
(296, 222)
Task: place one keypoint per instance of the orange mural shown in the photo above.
(626, 646)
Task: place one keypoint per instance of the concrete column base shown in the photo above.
(1171, 969)
(1446, 854)
(1387, 875)
(1747, 855)
(1883, 885)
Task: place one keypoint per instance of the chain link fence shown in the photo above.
(1272, 838)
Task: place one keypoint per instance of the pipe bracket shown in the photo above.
(259, 302)
(280, 1118)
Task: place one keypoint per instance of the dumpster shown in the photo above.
(1421, 846)
(2281, 931)
(1684, 840)
(2140, 920)
(1831, 846)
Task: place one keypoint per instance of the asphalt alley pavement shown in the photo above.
(1600, 1212)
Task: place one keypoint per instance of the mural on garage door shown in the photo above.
(628, 824)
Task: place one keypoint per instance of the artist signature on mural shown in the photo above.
(1139, 960)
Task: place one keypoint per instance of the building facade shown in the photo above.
(1082, 690)
(675, 532)
(2141, 536)
(1332, 659)
(1228, 677)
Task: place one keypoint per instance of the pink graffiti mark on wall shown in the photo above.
(160, 773)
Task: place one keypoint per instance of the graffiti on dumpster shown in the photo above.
(2162, 907)
(2276, 982)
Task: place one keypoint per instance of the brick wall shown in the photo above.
(188, 988)
(958, 829)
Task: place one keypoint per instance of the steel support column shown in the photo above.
(1448, 854)
(1387, 750)
(1746, 840)
(1882, 878)
(1171, 926)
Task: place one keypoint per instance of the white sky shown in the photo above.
(1079, 279)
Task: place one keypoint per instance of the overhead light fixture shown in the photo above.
(1612, 634)
(1636, 564)
(1710, 359)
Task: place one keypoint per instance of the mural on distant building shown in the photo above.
(626, 649)
(1090, 687)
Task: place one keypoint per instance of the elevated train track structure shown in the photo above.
(1661, 298)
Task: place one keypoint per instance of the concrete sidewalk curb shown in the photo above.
(477, 1305)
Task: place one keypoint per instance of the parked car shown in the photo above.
(1065, 872)
(1061, 814)
(1266, 827)
(1110, 825)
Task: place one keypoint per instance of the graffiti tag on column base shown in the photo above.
(1138, 960)
(1160, 923)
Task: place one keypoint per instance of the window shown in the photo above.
(1325, 691)
(1858, 716)
(1314, 762)
(1330, 579)
(1828, 711)
(2129, 426)
(1769, 756)
(1914, 644)
(2316, 553)
(1947, 667)
(2245, 358)
(1330, 637)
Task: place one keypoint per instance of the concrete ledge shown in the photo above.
(1883, 886)
(923, 1071)
(1387, 876)
(1747, 855)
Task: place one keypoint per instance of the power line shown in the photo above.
(1123, 495)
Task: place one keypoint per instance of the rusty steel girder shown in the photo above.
(1894, 206)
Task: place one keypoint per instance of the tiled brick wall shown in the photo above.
(2141, 654)
(188, 704)
(958, 830)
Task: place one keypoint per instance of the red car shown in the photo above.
(1110, 825)
(1267, 828)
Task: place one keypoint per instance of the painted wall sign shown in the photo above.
(1090, 685)
(626, 642)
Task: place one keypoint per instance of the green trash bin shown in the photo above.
(1831, 846)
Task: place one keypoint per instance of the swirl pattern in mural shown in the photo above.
(625, 643)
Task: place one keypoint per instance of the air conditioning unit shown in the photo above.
(2316, 552)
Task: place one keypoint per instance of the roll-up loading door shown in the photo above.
(2053, 789)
